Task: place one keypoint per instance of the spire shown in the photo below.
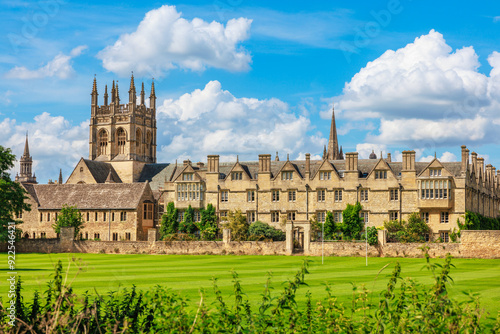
(152, 97)
(341, 153)
(113, 92)
(106, 95)
(26, 153)
(325, 156)
(142, 94)
(333, 144)
(117, 95)
(25, 165)
(60, 177)
(132, 98)
(94, 92)
(277, 157)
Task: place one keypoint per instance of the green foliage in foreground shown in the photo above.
(405, 306)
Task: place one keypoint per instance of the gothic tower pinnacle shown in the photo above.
(25, 164)
(333, 152)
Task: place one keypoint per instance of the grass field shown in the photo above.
(187, 274)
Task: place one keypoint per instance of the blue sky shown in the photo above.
(239, 77)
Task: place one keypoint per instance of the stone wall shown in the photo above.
(474, 244)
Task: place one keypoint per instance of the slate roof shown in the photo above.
(100, 171)
(156, 174)
(88, 196)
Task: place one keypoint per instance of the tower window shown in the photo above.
(138, 142)
(122, 138)
(102, 143)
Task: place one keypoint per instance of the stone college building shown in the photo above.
(122, 191)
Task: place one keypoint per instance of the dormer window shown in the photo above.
(325, 175)
(287, 175)
(187, 177)
(433, 172)
(380, 174)
(236, 176)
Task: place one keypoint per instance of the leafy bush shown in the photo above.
(69, 216)
(352, 223)
(237, 223)
(208, 223)
(372, 236)
(329, 227)
(475, 221)
(169, 223)
(260, 230)
(187, 225)
(412, 231)
(404, 306)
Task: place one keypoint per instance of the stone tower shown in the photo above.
(123, 134)
(26, 164)
(333, 152)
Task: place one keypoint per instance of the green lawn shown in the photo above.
(187, 274)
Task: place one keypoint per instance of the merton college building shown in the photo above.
(122, 190)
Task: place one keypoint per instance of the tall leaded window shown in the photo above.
(321, 195)
(102, 142)
(276, 195)
(121, 139)
(363, 195)
(394, 194)
(138, 142)
(149, 144)
(338, 195)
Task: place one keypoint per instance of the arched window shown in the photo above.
(102, 142)
(121, 138)
(149, 146)
(138, 142)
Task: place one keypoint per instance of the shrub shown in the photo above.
(265, 231)
(372, 236)
(187, 225)
(69, 216)
(208, 223)
(238, 225)
(330, 227)
(169, 223)
(351, 221)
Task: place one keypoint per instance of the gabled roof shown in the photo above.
(100, 170)
(294, 166)
(243, 167)
(379, 164)
(322, 166)
(90, 196)
(189, 169)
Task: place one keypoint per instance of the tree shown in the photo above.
(69, 216)
(169, 223)
(238, 224)
(416, 228)
(187, 225)
(330, 227)
(208, 224)
(352, 222)
(12, 195)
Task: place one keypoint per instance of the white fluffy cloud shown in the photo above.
(164, 40)
(426, 95)
(59, 67)
(54, 143)
(213, 121)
